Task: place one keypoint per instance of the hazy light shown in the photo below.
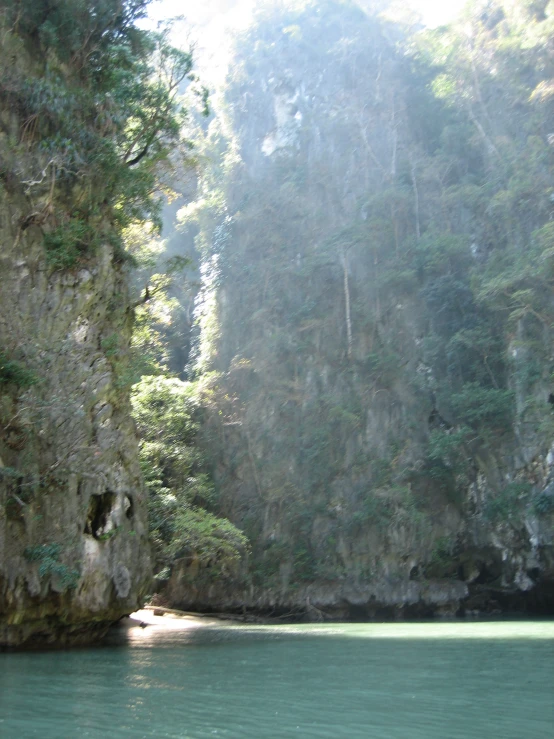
(438, 12)
(204, 14)
(434, 12)
(211, 25)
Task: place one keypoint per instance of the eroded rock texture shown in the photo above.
(74, 553)
(381, 322)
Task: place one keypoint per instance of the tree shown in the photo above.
(101, 119)
(179, 486)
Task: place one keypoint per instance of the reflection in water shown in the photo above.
(382, 681)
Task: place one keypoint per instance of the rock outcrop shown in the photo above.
(73, 532)
(381, 322)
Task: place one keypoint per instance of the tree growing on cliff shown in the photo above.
(387, 213)
(101, 119)
(181, 492)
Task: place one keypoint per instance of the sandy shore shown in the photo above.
(168, 618)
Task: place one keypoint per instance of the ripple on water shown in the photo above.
(379, 681)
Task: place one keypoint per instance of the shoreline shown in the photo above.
(166, 618)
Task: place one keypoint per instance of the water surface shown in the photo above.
(370, 681)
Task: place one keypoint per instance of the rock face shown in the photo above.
(381, 425)
(74, 553)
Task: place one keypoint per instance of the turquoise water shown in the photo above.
(370, 681)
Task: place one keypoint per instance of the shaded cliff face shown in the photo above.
(381, 319)
(74, 554)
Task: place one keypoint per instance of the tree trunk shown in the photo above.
(347, 305)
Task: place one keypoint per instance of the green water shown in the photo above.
(376, 681)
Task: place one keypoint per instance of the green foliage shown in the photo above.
(79, 32)
(543, 504)
(451, 303)
(375, 510)
(476, 406)
(383, 365)
(110, 345)
(449, 463)
(390, 506)
(448, 446)
(442, 551)
(14, 372)
(109, 534)
(267, 562)
(48, 555)
(343, 416)
(303, 563)
(507, 505)
(101, 117)
(67, 243)
(437, 253)
(414, 230)
(180, 490)
(9, 473)
(442, 563)
(381, 471)
(211, 540)
(164, 405)
(125, 364)
(156, 319)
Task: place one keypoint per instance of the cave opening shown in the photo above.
(489, 573)
(99, 509)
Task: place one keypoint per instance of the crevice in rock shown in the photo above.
(489, 573)
(436, 421)
(98, 515)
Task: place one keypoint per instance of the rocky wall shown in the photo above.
(74, 553)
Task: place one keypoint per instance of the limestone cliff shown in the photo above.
(74, 553)
(73, 533)
(380, 318)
